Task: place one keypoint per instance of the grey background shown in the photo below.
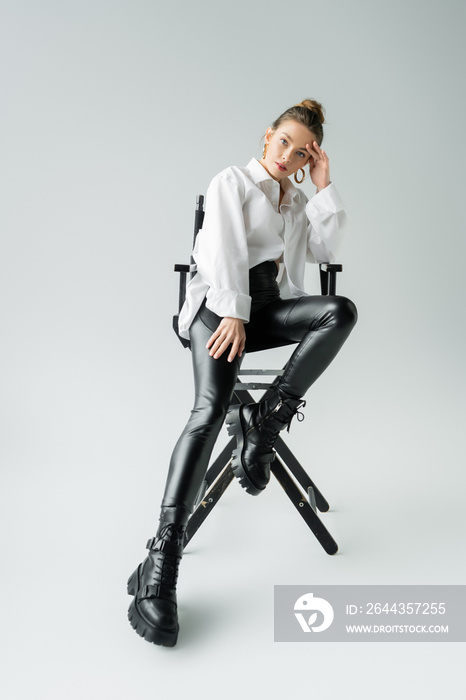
(115, 114)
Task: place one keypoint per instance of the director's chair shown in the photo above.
(297, 484)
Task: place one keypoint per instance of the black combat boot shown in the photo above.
(256, 427)
(153, 612)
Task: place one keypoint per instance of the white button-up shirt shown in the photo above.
(244, 226)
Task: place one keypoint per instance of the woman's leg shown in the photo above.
(153, 612)
(320, 325)
(214, 381)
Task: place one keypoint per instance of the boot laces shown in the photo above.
(166, 570)
(269, 435)
(299, 416)
(166, 564)
(171, 533)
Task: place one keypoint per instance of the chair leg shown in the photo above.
(301, 476)
(209, 501)
(303, 507)
(214, 470)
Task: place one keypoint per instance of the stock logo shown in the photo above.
(312, 606)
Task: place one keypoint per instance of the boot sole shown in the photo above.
(235, 429)
(154, 635)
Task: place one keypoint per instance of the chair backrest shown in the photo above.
(198, 216)
(185, 270)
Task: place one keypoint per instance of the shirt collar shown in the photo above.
(259, 174)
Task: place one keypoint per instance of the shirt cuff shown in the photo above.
(225, 302)
(327, 200)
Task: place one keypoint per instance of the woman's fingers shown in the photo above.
(312, 151)
(230, 332)
(316, 152)
(219, 343)
(235, 350)
(212, 339)
(319, 166)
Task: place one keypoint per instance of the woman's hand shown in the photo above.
(230, 331)
(319, 166)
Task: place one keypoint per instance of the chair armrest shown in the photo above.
(184, 270)
(192, 268)
(328, 277)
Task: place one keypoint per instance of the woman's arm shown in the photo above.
(221, 251)
(325, 210)
(222, 261)
(327, 224)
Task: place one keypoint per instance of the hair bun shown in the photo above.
(315, 107)
(309, 113)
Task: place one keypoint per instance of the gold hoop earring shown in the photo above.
(265, 150)
(298, 182)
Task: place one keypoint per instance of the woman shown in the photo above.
(248, 295)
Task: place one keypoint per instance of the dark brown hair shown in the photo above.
(309, 113)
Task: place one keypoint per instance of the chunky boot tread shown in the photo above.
(166, 638)
(243, 477)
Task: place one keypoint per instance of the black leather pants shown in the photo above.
(319, 325)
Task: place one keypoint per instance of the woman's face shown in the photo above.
(286, 149)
